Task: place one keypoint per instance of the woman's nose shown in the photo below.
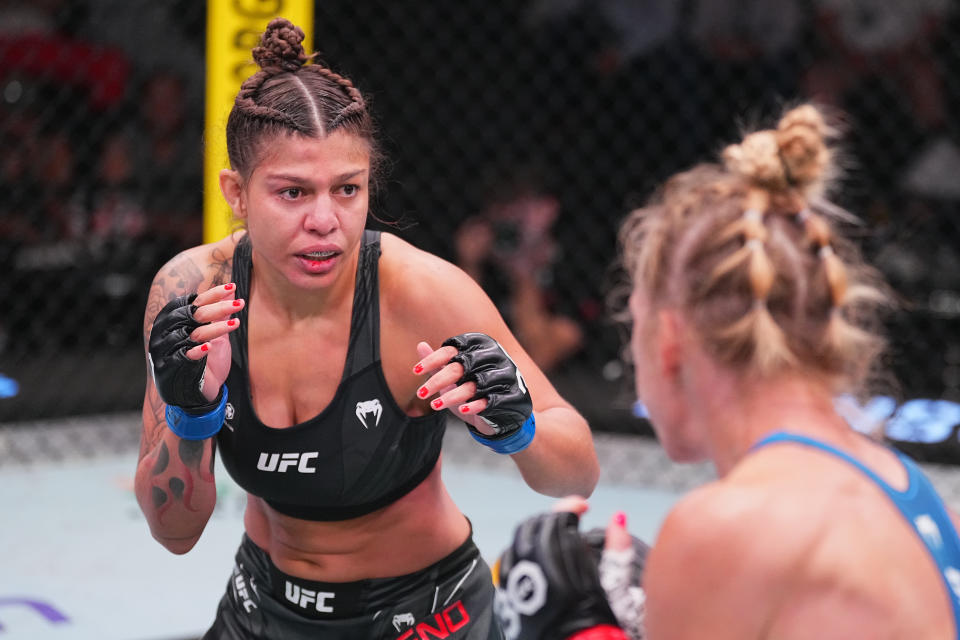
(321, 217)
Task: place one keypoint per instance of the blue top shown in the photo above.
(919, 504)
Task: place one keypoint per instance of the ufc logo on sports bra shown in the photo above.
(281, 462)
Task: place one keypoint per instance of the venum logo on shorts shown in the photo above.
(441, 625)
(402, 620)
(308, 598)
(280, 462)
(367, 407)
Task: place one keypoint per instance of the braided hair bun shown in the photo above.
(795, 155)
(281, 47)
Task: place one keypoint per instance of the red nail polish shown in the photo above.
(418, 368)
(464, 409)
(232, 322)
(204, 348)
(422, 392)
(236, 303)
(228, 286)
(436, 404)
(620, 518)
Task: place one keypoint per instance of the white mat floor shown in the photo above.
(78, 563)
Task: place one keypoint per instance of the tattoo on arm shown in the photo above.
(191, 452)
(186, 274)
(222, 267)
(154, 425)
(159, 497)
(176, 487)
(179, 276)
(163, 459)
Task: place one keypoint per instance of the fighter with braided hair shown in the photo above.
(750, 313)
(323, 361)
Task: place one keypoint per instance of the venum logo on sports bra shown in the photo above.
(367, 407)
(281, 462)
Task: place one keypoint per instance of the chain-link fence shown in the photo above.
(519, 134)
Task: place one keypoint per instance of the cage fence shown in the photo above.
(534, 126)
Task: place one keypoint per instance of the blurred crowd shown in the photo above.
(102, 164)
(101, 122)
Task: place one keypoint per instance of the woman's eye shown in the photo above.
(350, 190)
(292, 193)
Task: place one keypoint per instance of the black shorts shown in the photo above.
(452, 598)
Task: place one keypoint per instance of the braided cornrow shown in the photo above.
(745, 250)
(292, 93)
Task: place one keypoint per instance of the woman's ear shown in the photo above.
(669, 344)
(231, 186)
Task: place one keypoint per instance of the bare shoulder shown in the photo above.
(411, 271)
(425, 290)
(190, 271)
(718, 552)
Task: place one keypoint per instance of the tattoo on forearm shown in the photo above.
(152, 429)
(191, 452)
(176, 487)
(176, 475)
(159, 497)
(163, 459)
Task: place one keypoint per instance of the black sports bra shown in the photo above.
(361, 453)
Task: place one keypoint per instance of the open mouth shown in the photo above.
(318, 261)
(319, 256)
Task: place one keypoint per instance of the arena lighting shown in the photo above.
(920, 420)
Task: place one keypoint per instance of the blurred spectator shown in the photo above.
(632, 28)
(117, 204)
(893, 40)
(745, 30)
(510, 250)
(168, 155)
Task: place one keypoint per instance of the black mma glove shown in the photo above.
(179, 380)
(484, 361)
(548, 587)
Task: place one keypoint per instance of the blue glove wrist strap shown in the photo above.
(513, 443)
(200, 427)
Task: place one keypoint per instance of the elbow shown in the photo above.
(581, 484)
(177, 546)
